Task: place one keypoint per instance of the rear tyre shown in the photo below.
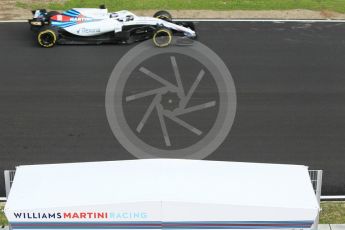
(162, 37)
(164, 15)
(47, 37)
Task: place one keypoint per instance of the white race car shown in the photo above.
(98, 26)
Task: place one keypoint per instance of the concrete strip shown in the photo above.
(253, 14)
(324, 227)
(337, 227)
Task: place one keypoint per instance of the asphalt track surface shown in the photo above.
(289, 77)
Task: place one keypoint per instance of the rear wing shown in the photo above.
(39, 19)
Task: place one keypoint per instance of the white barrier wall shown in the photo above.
(162, 193)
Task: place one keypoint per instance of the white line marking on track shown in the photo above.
(265, 20)
(236, 20)
(335, 197)
(11, 21)
(322, 198)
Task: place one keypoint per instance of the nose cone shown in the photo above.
(190, 33)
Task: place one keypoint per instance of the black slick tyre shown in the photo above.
(47, 37)
(164, 15)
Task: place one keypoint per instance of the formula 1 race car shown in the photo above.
(98, 26)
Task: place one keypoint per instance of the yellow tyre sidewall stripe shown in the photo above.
(44, 32)
(164, 31)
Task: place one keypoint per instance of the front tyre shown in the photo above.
(162, 37)
(47, 37)
(164, 15)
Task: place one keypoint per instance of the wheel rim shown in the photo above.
(47, 38)
(162, 38)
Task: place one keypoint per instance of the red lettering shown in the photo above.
(100, 215)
